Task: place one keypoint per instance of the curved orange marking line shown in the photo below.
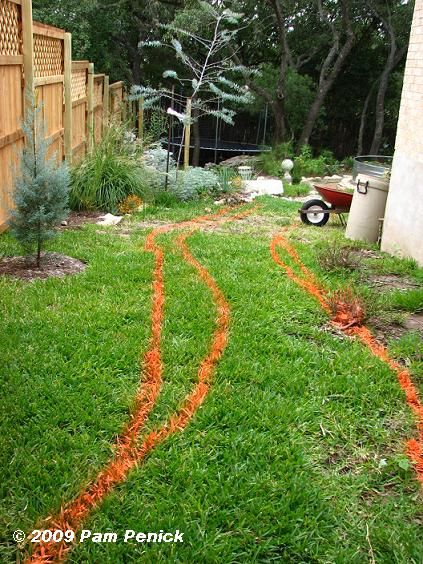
(309, 284)
(128, 454)
(414, 447)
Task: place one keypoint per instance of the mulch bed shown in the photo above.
(52, 265)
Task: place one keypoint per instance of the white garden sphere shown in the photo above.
(287, 165)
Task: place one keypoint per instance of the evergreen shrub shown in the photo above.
(41, 188)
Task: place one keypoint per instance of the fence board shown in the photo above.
(79, 131)
(49, 77)
(50, 96)
(11, 100)
(79, 109)
(98, 107)
(48, 30)
(116, 101)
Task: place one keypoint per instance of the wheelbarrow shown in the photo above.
(317, 212)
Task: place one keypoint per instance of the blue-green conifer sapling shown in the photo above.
(41, 188)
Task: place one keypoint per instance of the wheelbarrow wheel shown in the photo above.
(313, 213)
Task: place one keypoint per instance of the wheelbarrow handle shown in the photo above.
(362, 188)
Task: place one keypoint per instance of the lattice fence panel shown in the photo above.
(98, 92)
(10, 29)
(48, 56)
(79, 84)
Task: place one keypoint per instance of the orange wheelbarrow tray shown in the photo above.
(317, 212)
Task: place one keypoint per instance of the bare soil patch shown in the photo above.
(76, 220)
(367, 253)
(252, 224)
(415, 323)
(150, 223)
(53, 265)
(263, 225)
(391, 282)
(385, 330)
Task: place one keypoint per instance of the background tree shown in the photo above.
(304, 34)
(108, 31)
(330, 72)
(392, 16)
(339, 20)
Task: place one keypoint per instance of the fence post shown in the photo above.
(106, 102)
(90, 107)
(28, 52)
(68, 97)
(141, 119)
(187, 133)
(124, 112)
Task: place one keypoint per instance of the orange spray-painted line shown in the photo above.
(128, 454)
(310, 284)
(150, 389)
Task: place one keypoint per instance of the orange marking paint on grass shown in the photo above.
(128, 453)
(310, 284)
(414, 447)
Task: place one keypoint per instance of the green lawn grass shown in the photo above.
(297, 454)
(296, 190)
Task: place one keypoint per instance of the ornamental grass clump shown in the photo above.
(110, 173)
(41, 189)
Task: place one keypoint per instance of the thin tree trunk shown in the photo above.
(136, 66)
(39, 246)
(384, 78)
(380, 101)
(278, 104)
(278, 109)
(363, 119)
(331, 68)
(400, 53)
(196, 138)
(324, 87)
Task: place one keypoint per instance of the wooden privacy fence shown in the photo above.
(36, 60)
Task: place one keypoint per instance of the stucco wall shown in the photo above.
(403, 226)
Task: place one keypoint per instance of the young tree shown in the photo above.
(200, 37)
(41, 188)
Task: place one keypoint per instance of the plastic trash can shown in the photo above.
(369, 200)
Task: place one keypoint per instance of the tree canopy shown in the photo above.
(330, 73)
